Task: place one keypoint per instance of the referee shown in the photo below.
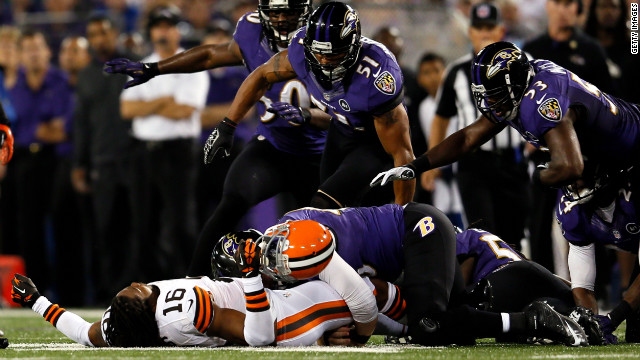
(166, 126)
(493, 180)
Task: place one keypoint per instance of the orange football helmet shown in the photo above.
(296, 250)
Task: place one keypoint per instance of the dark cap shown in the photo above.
(170, 14)
(485, 14)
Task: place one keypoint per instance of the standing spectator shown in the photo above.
(493, 180)
(389, 36)
(9, 57)
(101, 160)
(166, 125)
(567, 46)
(66, 206)
(446, 195)
(607, 23)
(41, 97)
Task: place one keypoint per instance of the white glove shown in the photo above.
(398, 173)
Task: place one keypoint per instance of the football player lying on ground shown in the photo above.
(500, 279)
(200, 312)
(610, 218)
(385, 241)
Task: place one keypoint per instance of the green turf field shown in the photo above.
(31, 337)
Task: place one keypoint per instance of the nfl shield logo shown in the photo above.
(326, 96)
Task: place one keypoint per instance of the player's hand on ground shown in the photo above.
(397, 173)
(607, 329)
(293, 114)
(247, 258)
(220, 141)
(338, 337)
(140, 72)
(23, 291)
(6, 144)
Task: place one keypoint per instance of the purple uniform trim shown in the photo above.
(489, 251)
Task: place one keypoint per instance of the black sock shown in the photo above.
(518, 323)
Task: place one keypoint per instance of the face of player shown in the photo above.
(608, 12)
(137, 290)
(562, 14)
(284, 23)
(485, 34)
(430, 75)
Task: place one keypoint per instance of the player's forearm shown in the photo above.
(68, 323)
(586, 298)
(251, 90)
(197, 59)
(259, 320)
(319, 119)
(561, 173)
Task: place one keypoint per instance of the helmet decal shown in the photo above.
(502, 60)
(350, 23)
(230, 244)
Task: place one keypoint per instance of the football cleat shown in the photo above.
(546, 323)
(397, 340)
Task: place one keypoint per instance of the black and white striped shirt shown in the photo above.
(455, 98)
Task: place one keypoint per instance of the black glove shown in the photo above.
(588, 321)
(247, 258)
(140, 72)
(220, 139)
(24, 291)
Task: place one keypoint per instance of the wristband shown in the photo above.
(306, 115)
(229, 122)
(357, 338)
(153, 68)
(620, 313)
(420, 164)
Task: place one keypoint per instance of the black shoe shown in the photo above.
(397, 340)
(544, 322)
(632, 334)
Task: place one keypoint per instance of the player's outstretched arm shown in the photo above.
(449, 150)
(197, 59)
(25, 293)
(393, 130)
(277, 69)
(566, 163)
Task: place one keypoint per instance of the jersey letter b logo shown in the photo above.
(425, 225)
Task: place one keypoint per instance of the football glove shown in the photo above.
(587, 320)
(607, 327)
(220, 141)
(23, 291)
(247, 257)
(397, 173)
(293, 114)
(6, 144)
(140, 72)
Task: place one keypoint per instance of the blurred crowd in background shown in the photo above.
(69, 198)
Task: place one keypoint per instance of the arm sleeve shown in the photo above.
(355, 292)
(68, 323)
(259, 320)
(582, 266)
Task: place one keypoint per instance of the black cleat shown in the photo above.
(397, 340)
(544, 322)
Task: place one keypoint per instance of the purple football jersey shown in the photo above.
(581, 225)
(374, 88)
(367, 238)
(294, 139)
(490, 251)
(608, 132)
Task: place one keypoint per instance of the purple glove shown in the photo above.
(293, 114)
(607, 328)
(140, 72)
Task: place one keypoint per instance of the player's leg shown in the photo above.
(350, 180)
(306, 312)
(253, 177)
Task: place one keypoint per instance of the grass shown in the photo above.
(32, 337)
